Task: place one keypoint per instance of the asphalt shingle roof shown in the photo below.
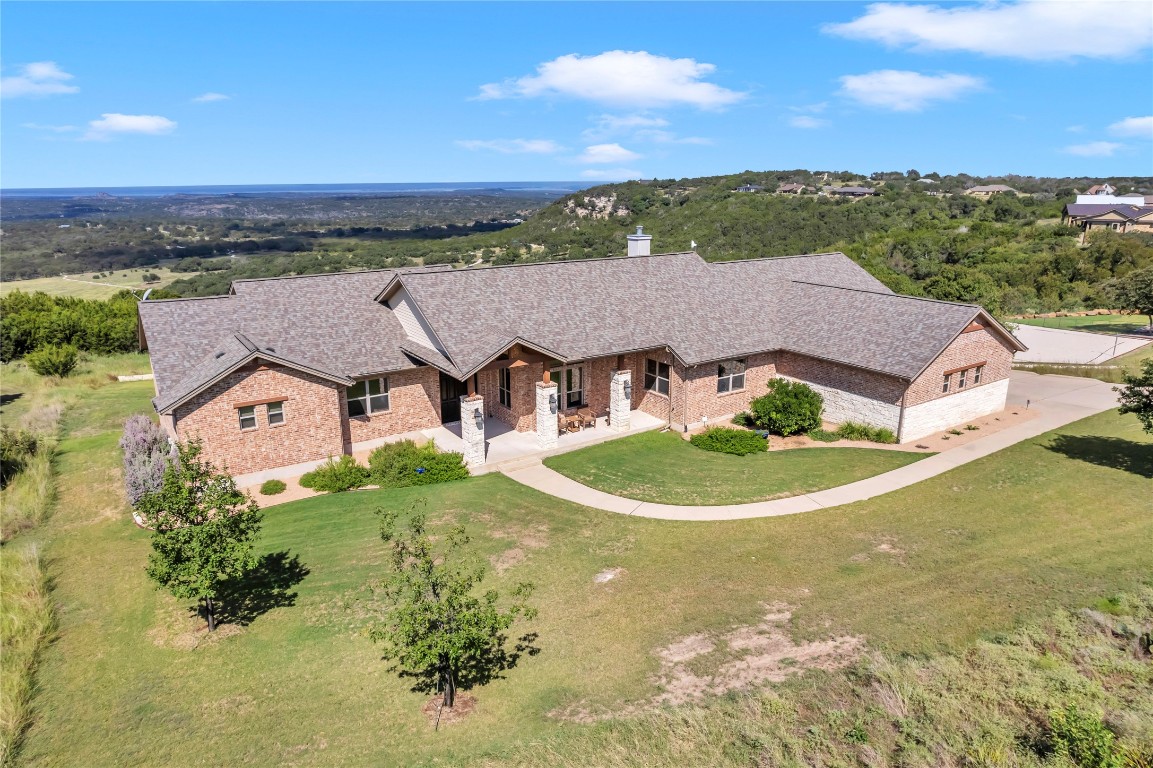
(823, 305)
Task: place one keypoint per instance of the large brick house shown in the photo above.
(284, 372)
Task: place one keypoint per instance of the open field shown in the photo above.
(1058, 520)
(84, 286)
(1095, 323)
(664, 468)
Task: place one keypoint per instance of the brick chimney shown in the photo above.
(639, 243)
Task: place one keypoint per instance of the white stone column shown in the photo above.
(472, 429)
(620, 407)
(546, 422)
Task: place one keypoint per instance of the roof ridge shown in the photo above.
(890, 294)
(188, 298)
(318, 274)
(774, 258)
(568, 261)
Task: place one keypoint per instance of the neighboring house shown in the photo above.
(989, 190)
(849, 191)
(1118, 217)
(284, 372)
(791, 189)
(748, 188)
(1101, 189)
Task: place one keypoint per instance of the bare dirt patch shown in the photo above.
(608, 574)
(464, 706)
(700, 665)
(182, 630)
(749, 656)
(526, 538)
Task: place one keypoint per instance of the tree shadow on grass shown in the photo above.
(1112, 452)
(267, 586)
(478, 669)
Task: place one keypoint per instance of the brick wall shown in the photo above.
(869, 384)
(653, 403)
(312, 428)
(413, 403)
(968, 348)
(700, 389)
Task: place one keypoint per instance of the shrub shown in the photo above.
(1083, 738)
(823, 436)
(16, 448)
(851, 430)
(404, 463)
(336, 476)
(790, 407)
(52, 360)
(743, 419)
(147, 453)
(739, 442)
(273, 487)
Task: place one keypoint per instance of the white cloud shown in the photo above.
(112, 124)
(607, 153)
(607, 126)
(611, 174)
(211, 96)
(41, 78)
(807, 121)
(50, 128)
(813, 108)
(626, 78)
(1033, 29)
(904, 91)
(1093, 149)
(1076, 129)
(1139, 127)
(513, 146)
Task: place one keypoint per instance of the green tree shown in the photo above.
(203, 530)
(53, 360)
(1133, 291)
(1137, 395)
(435, 627)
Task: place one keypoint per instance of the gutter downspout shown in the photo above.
(684, 403)
(901, 415)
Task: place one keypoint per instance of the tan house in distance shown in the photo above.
(989, 190)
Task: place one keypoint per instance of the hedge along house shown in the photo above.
(284, 372)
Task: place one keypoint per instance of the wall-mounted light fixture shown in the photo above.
(629, 391)
(479, 418)
(552, 402)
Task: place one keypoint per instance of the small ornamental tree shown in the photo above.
(147, 453)
(789, 408)
(52, 360)
(1133, 291)
(1137, 395)
(203, 530)
(435, 627)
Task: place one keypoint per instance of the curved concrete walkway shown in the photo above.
(1059, 399)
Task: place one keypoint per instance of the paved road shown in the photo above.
(1056, 345)
(1059, 399)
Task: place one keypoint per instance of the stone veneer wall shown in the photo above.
(851, 394)
(311, 431)
(953, 410)
(413, 403)
(967, 349)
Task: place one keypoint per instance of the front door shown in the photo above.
(451, 391)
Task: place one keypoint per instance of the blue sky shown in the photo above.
(168, 93)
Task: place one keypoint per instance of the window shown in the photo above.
(504, 386)
(945, 386)
(275, 414)
(247, 417)
(365, 397)
(730, 375)
(657, 377)
(570, 382)
(980, 369)
(961, 379)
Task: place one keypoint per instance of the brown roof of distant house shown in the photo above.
(336, 325)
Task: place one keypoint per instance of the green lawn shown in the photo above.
(1097, 323)
(1058, 520)
(662, 467)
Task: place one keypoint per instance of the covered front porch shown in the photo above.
(503, 444)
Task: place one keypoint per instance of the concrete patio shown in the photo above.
(504, 446)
